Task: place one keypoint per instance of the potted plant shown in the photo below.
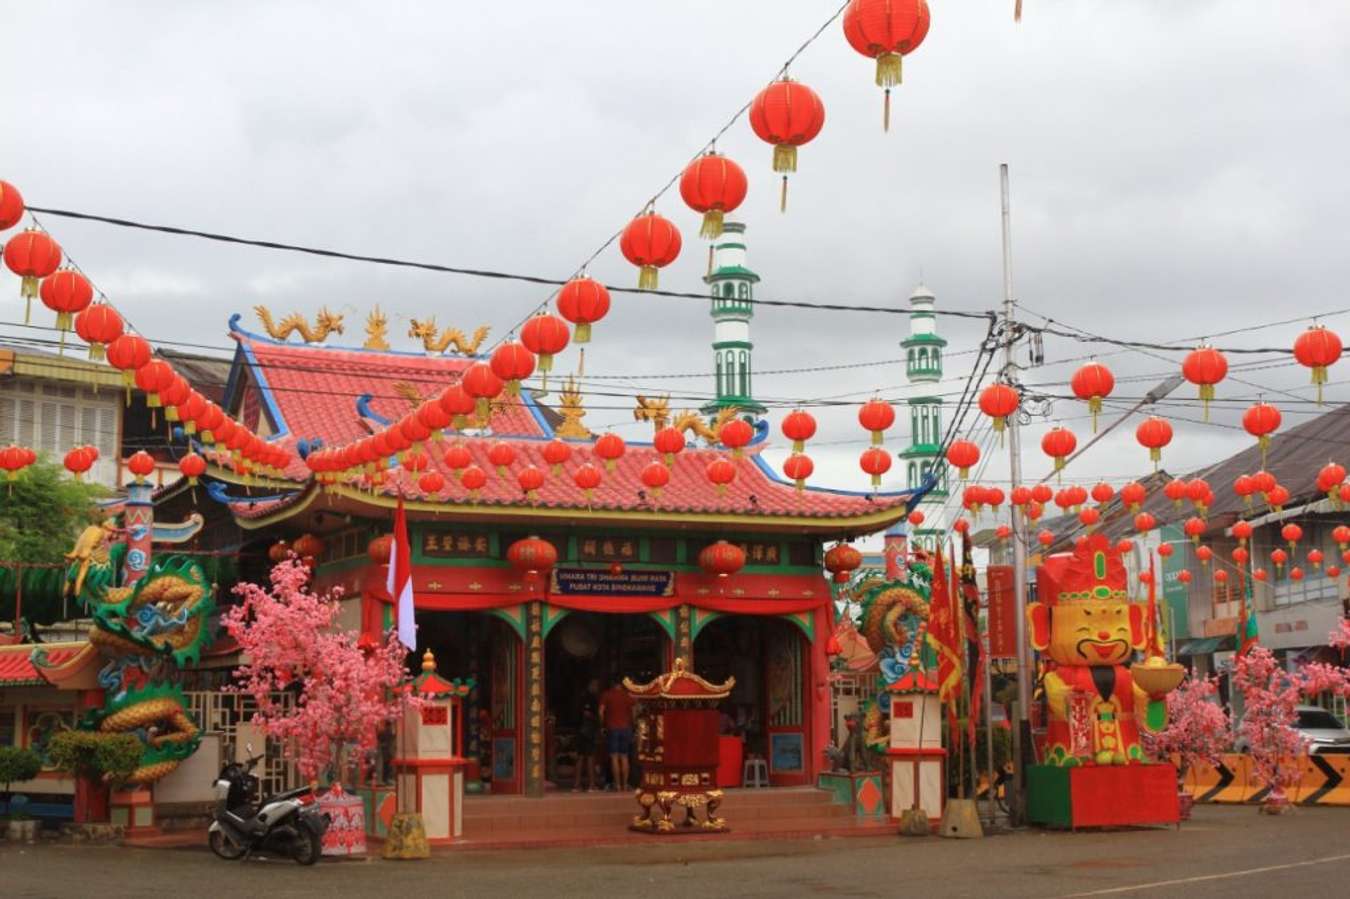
(1197, 731)
(17, 765)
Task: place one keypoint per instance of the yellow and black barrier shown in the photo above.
(1325, 780)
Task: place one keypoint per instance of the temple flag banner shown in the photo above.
(399, 582)
(1153, 630)
(970, 607)
(944, 635)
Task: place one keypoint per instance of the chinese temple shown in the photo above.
(627, 595)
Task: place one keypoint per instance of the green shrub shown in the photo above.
(17, 765)
(112, 757)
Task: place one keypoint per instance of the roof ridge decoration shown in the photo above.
(434, 342)
(679, 684)
(325, 323)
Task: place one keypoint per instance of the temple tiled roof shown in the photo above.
(337, 395)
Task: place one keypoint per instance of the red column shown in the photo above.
(894, 549)
(818, 722)
(91, 796)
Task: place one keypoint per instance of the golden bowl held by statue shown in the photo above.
(1157, 676)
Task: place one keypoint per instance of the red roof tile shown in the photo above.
(17, 671)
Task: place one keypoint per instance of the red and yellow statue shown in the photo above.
(1089, 629)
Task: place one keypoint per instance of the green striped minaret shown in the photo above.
(923, 369)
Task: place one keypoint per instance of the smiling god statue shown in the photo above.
(1090, 630)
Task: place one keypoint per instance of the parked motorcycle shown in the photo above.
(289, 823)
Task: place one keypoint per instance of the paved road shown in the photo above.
(1224, 852)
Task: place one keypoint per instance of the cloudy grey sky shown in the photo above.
(1178, 169)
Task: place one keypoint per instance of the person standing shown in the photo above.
(588, 736)
(616, 711)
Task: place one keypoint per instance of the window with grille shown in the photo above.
(53, 418)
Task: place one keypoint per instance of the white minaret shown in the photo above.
(923, 369)
(732, 288)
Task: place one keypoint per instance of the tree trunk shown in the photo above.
(91, 800)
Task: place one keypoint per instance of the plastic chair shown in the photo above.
(755, 773)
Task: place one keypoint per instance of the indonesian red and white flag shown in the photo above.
(400, 582)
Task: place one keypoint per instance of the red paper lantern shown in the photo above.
(655, 476)
(1041, 493)
(1165, 550)
(961, 526)
(546, 336)
(650, 242)
(1292, 534)
(799, 427)
(458, 457)
(11, 206)
(173, 396)
(713, 185)
(1244, 487)
(1154, 434)
(1198, 492)
(876, 416)
(1242, 530)
(1093, 382)
(530, 479)
(1020, 496)
(152, 378)
(799, 467)
(66, 292)
(473, 479)
(1333, 571)
(1205, 367)
(915, 518)
(1240, 555)
(192, 466)
(609, 448)
(1144, 522)
(1034, 510)
(887, 31)
(1330, 478)
(415, 461)
(1220, 576)
(1184, 576)
(457, 403)
(1295, 573)
(555, 453)
(1102, 493)
(1264, 482)
(482, 383)
(432, 416)
(1261, 420)
(1090, 516)
(1204, 554)
(841, 560)
(735, 435)
(1318, 349)
(1045, 538)
(786, 114)
(141, 464)
(78, 461)
(1341, 534)
(532, 555)
(1194, 528)
(513, 363)
(1315, 558)
(502, 456)
(1003, 532)
(1133, 495)
(1276, 497)
(998, 401)
(587, 477)
(1279, 557)
(721, 472)
(98, 326)
(583, 302)
(964, 455)
(1258, 574)
(431, 483)
(722, 559)
(875, 462)
(1059, 443)
(669, 442)
(380, 549)
(32, 255)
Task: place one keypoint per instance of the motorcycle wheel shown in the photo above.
(221, 846)
(308, 847)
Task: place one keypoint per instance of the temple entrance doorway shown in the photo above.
(768, 709)
(481, 646)
(586, 646)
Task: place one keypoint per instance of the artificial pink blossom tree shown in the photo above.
(1198, 727)
(346, 690)
(1270, 707)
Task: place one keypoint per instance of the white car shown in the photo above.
(1321, 731)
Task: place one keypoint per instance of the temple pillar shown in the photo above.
(139, 522)
(894, 550)
(534, 700)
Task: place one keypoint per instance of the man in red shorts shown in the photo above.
(616, 711)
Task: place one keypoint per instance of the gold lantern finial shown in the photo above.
(428, 662)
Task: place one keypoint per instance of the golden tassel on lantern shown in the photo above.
(1206, 394)
(647, 276)
(1095, 407)
(712, 224)
(1319, 377)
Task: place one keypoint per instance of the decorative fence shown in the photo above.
(223, 713)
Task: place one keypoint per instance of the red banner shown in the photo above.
(1002, 613)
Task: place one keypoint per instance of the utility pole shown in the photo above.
(1022, 735)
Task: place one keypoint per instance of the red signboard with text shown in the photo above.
(1002, 613)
